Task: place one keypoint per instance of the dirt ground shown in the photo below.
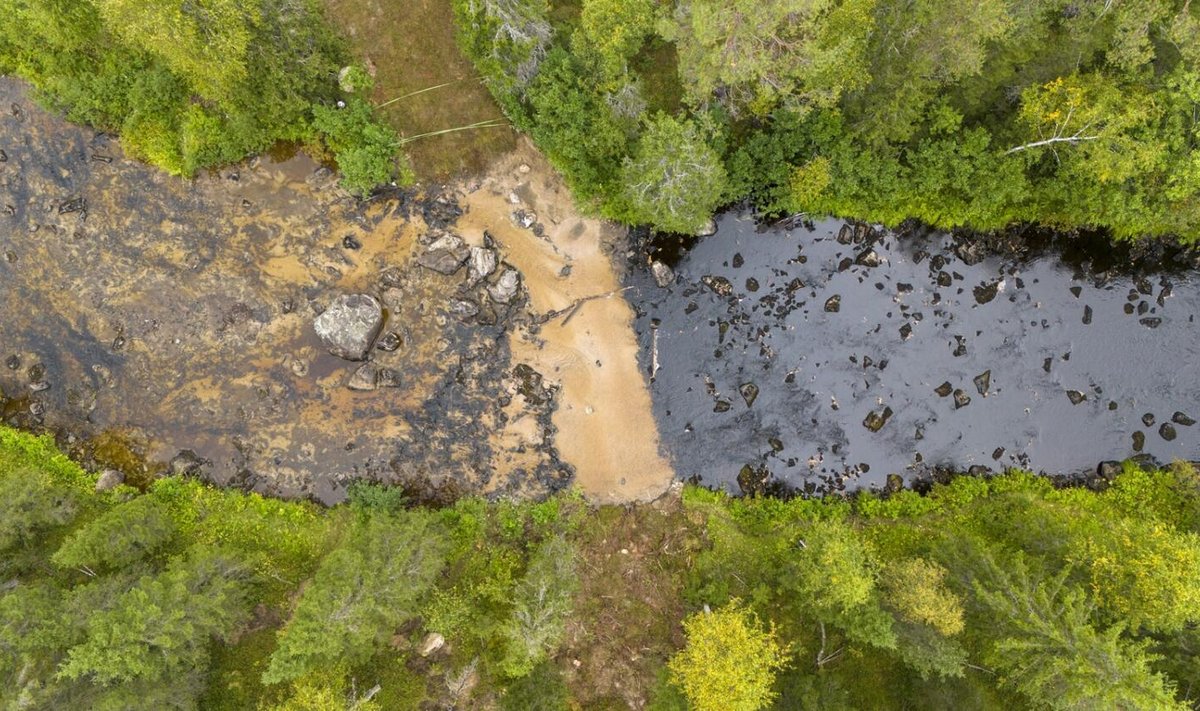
(411, 47)
(633, 568)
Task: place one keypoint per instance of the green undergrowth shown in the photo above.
(985, 593)
(195, 85)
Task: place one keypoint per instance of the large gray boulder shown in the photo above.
(349, 326)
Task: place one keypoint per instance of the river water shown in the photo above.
(151, 315)
(794, 359)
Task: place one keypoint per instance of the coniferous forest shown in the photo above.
(982, 593)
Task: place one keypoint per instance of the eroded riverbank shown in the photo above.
(146, 315)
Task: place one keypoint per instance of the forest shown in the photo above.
(982, 593)
(201, 84)
(1067, 113)
(1074, 114)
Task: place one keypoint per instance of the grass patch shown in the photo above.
(412, 47)
(634, 564)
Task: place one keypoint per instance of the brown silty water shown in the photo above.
(165, 314)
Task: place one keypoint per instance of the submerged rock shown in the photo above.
(749, 393)
(368, 377)
(349, 326)
(464, 308)
(876, 420)
(1167, 431)
(389, 342)
(961, 399)
(944, 389)
(833, 304)
(983, 382)
(1181, 419)
(752, 480)
(719, 284)
(1076, 397)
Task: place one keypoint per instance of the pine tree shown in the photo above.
(361, 593)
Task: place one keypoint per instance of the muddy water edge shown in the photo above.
(160, 325)
(836, 356)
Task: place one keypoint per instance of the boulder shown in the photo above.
(186, 463)
(868, 258)
(663, 275)
(364, 378)
(719, 284)
(1108, 470)
(446, 255)
(876, 420)
(506, 287)
(482, 264)
(432, 643)
(349, 326)
(109, 479)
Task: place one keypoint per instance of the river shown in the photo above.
(154, 323)
(829, 356)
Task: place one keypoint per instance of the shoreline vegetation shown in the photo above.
(1067, 115)
(983, 593)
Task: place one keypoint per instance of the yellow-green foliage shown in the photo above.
(325, 690)
(615, 30)
(917, 588)
(730, 660)
(123, 599)
(1144, 572)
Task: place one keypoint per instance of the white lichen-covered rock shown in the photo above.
(349, 326)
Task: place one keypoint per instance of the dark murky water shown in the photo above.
(927, 361)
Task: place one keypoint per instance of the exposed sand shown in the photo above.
(606, 429)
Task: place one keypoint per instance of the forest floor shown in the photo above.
(411, 47)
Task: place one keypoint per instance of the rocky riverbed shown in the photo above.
(260, 328)
(837, 355)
